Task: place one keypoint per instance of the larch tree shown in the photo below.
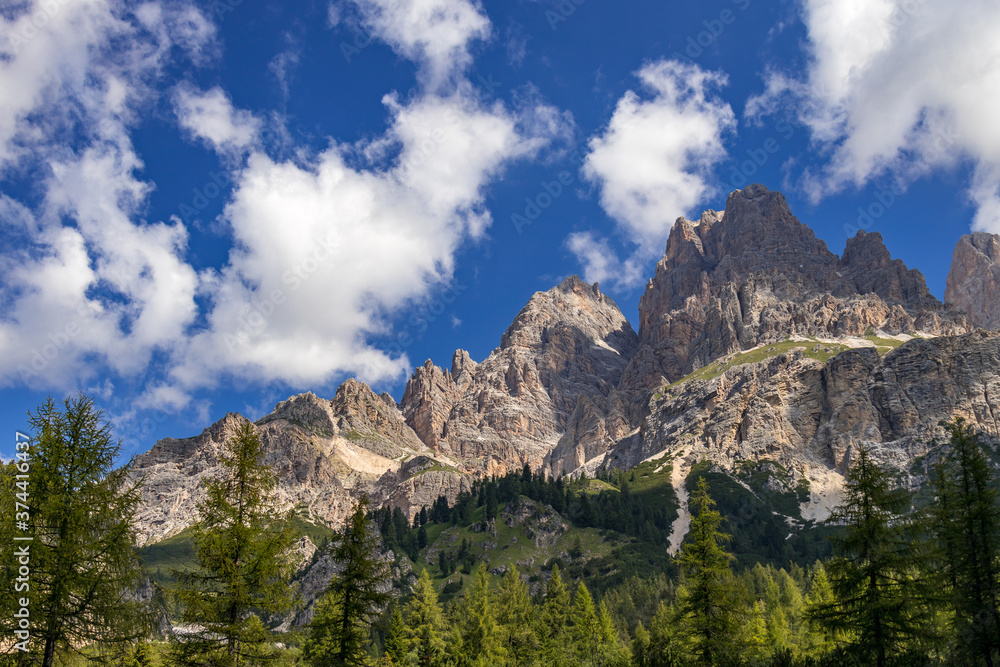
(515, 614)
(242, 546)
(965, 522)
(478, 619)
(75, 514)
(425, 624)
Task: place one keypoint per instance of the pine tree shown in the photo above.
(242, 549)
(514, 614)
(339, 633)
(710, 609)
(81, 514)
(965, 521)
(586, 629)
(425, 625)
(395, 638)
(491, 503)
(479, 626)
(872, 574)
(553, 631)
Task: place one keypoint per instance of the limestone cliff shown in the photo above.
(974, 279)
(754, 274)
(567, 345)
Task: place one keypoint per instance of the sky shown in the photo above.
(210, 207)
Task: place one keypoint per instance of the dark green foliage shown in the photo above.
(84, 571)
(242, 547)
(710, 607)
(965, 522)
(339, 632)
(878, 606)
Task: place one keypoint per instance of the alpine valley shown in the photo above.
(760, 355)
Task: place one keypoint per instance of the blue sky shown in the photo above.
(210, 207)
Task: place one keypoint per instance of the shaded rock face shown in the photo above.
(974, 279)
(568, 345)
(754, 274)
(805, 413)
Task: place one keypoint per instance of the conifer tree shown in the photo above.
(710, 608)
(665, 648)
(586, 629)
(514, 613)
(425, 625)
(965, 522)
(81, 514)
(395, 638)
(872, 575)
(820, 639)
(478, 617)
(339, 633)
(553, 628)
(242, 547)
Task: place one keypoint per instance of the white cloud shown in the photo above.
(899, 87)
(325, 246)
(436, 34)
(97, 287)
(324, 251)
(652, 164)
(210, 116)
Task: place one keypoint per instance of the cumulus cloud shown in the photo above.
(209, 115)
(651, 164)
(324, 251)
(96, 287)
(898, 87)
(325, 247)
(435, 34)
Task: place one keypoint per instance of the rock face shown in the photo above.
(811, 415)
(326, 453)
(974, 279)
(755, 343)
(567, 347)
(754, 274)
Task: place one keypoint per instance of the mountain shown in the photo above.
(755, 344)
(974, 279)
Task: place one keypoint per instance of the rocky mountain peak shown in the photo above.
(756, 274)
(974, 279)
(572, 304)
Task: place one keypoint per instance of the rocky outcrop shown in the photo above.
(755, 274)
(809, 414)
(567, 345)
(325, 453)
(974, 279)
